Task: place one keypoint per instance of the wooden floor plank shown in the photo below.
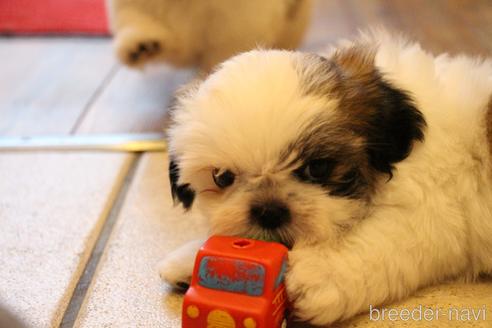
(473, 21)
(46, 83)
(441, 25)
(330, 21)
(374, 13)
(134, 101)
(434, 27)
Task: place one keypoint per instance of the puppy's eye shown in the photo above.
(223, 178)
(317, 170)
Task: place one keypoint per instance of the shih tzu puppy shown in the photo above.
(203, 33)
(373, 163)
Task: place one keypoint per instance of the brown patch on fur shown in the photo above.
(348, 72)
(356, 65)
(344, 77)
(489, 124)
(373, 127)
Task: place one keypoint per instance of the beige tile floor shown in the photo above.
(83, 231)
(147, 229)
(44, 244)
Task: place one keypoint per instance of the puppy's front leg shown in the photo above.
(177, 267)
(379, 261)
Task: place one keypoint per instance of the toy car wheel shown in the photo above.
(284, 323)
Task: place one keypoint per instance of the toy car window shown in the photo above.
(232, 275)
(281, 274)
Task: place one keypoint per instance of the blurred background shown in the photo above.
(60, 74)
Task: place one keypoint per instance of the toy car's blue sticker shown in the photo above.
(231, 275)
(281, 274)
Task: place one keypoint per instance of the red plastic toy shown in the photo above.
(237, 283)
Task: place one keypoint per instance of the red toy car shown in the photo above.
(237, 283)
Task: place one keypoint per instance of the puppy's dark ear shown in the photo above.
(181, 193)
(393, 129)
(385, 114)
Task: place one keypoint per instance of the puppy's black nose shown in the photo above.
(270, 215)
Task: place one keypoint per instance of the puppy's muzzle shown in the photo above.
(270, 215)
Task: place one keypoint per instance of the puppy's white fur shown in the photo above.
(431, 222)
(203, 33)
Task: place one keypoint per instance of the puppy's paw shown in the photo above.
(175, 272)
(313, 291)
(136, 47)
(176, 269)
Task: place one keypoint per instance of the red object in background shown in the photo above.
(237, 283)
(53, 17)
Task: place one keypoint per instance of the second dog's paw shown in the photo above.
(136, 48)
(143, 50)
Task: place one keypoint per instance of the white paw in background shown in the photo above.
(136, 48)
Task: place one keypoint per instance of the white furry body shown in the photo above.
(203, 33)
(431, 222)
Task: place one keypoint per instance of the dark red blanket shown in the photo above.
(53, 17)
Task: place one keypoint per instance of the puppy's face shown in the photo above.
(289, 146)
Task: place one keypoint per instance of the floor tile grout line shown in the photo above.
(76, 301)
(99, 90)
